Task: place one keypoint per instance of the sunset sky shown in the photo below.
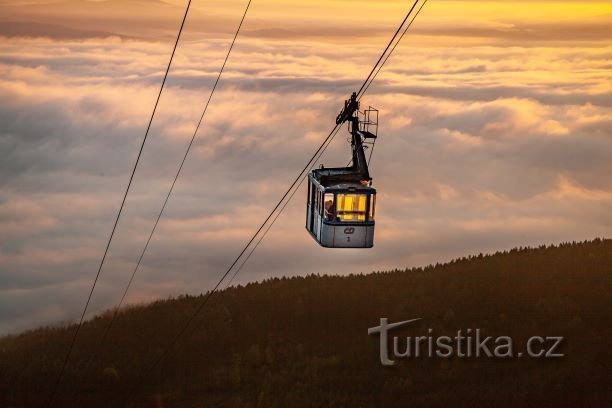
(496, 132)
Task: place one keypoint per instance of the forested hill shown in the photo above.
(303, 341)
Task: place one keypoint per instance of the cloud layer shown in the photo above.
(484, 145)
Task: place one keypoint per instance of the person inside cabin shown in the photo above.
(329, 210)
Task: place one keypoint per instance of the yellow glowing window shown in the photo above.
(352, 207)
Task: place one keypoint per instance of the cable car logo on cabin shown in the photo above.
(341, 200)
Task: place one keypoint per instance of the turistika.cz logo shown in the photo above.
(469, 343)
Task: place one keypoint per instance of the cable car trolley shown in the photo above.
(341, 200)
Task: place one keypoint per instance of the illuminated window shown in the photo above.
(352, 207)
(372, 206)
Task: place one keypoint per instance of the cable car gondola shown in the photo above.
(341, 200)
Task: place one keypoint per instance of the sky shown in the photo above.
(495, 132)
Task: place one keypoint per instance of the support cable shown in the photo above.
(278, 214)
(323, 145)
(369, 159)
(359, 93)
(233, 264)
(393, 49)
(112, 234)
(180, 168)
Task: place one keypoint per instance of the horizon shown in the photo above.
(108, 313)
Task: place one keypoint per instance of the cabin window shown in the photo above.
(352, 207)
(321, 205)
(313, 196)
(328, 206)
(372, 207)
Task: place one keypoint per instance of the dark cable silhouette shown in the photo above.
(278, 214)
(369, 159)
(93, 286)
(328, 138)
(393, 49)
(161, 211)
(359, 93)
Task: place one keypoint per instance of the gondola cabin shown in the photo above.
(340, 215)
(341, 201)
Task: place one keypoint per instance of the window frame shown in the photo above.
(325, 197)
(356, 213)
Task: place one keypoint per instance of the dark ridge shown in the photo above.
(303, 341)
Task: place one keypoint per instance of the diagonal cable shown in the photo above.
(180, 168)
(216, 287)
(127, 190)
(371, 151)
(209, 294)
(393, 49)
(261, 238)
(387, 48)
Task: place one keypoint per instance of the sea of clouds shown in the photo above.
(483, 146)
